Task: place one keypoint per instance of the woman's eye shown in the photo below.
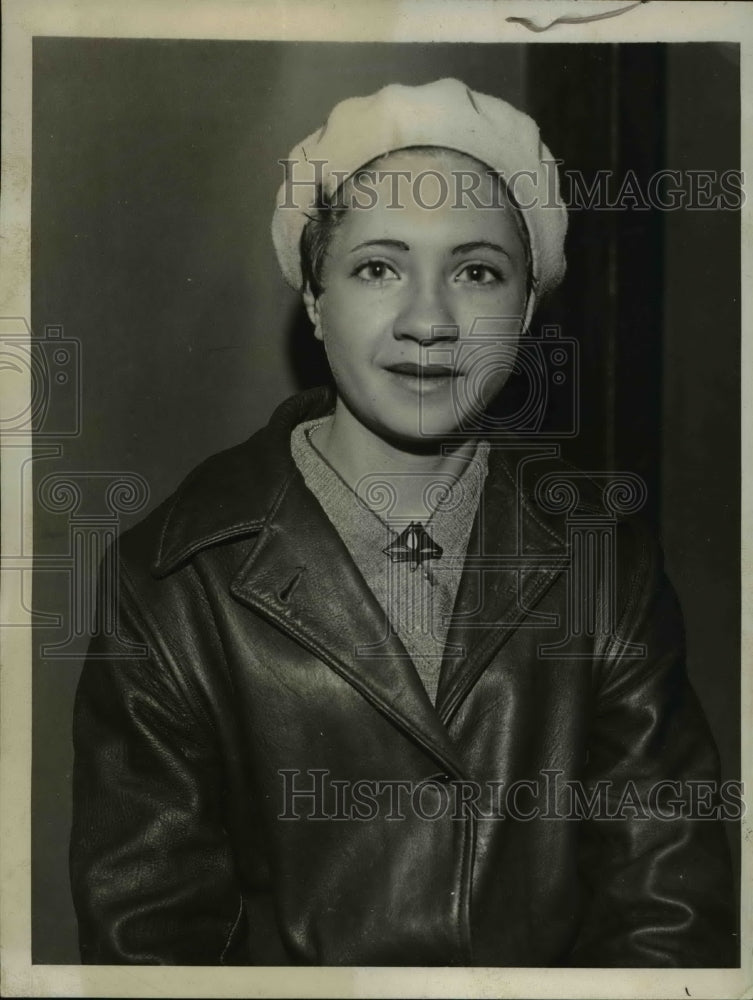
(375, 270)
(479, 274)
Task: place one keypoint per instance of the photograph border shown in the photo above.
(347, 21)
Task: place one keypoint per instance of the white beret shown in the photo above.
(445, 113)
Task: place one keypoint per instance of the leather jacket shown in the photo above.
(243, 736)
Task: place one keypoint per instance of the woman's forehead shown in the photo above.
(431, 178)
(434, 193)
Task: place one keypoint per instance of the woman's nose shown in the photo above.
(426, 316)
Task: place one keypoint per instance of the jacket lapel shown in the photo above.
(301, 577)
(513, 557)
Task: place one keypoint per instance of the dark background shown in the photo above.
(154, 180)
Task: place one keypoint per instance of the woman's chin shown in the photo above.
(426, 435)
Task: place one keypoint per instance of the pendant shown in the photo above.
(414, 545)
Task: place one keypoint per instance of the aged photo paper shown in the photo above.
(145, 325)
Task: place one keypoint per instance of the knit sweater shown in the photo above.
(417, 602)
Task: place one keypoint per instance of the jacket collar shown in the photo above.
(231, 494)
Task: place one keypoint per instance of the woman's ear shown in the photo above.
(311, 303)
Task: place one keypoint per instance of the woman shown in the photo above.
(370, 726)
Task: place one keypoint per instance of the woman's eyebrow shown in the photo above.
(396, 244)
(479, 245)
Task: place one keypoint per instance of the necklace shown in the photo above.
(414, 545)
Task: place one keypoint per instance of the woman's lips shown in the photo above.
(421, 371)
(422, 379)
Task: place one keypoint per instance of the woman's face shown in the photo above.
(422, 306)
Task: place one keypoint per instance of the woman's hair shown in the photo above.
(316, 237)
(330, 210)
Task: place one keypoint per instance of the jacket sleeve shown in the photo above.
(657, 875)
(151, 871)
